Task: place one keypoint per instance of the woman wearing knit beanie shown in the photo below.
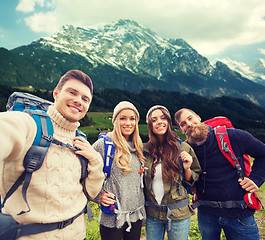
(167, 201)
(123, 189)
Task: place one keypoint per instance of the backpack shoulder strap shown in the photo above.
(109, 153)
(34, 157)
(83, 160)
(44, 127)
(180, 160)
(226, 148)
(182, 172)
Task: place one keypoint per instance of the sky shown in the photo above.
(215, 28)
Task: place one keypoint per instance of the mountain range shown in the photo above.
(126, 55)
(254, 73)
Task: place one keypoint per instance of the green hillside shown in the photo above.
(243, 114)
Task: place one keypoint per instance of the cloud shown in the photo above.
(210, 26)
(29, 5)
(2, 35)
(262, 51)
(43, 22)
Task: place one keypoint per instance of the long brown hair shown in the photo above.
(167, 151)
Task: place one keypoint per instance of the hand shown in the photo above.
(85, 148)
(107, 199)
(248, 185)
(186, 159)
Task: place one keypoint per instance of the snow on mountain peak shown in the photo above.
(245, 70)
(262, 62)
(240, 67)
(125, 44)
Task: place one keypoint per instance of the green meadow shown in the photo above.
(101, 122)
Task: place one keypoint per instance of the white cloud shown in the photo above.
(29, 5)
(43, 22)
(2, 36)
(209, 26)
(262, 51)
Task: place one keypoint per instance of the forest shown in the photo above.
(243, 114)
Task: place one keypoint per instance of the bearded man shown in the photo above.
(219, 189)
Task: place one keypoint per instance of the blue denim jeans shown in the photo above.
(244, 229)
(155, 229)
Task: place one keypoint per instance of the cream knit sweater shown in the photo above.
(55, 193)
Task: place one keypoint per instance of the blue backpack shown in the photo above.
(109, 153)
(33, 160)
(108, 159)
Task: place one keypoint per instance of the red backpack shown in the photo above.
(220, 124)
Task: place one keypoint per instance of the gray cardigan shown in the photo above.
(128, 190)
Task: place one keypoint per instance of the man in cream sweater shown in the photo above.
(55, 193)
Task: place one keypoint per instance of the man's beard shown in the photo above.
(200, 134)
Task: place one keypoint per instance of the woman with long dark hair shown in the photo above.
(172, 167)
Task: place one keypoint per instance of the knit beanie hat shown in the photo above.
(124, 105)
(154, 108)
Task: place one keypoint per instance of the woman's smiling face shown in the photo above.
(127, 122)
(159, 122)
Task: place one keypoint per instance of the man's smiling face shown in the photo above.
(73, 100)
(190, 124)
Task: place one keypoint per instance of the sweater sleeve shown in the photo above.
(17, 133)
(95, 178)
(254, 148)
(99, 147)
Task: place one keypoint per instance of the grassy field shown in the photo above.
(260, 215)
(103, 123)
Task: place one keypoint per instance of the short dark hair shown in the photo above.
(78, 75)
(179, 112)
